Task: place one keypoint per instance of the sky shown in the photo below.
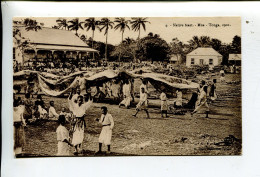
(183, 28)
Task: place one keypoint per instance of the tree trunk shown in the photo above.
(93, 44)
(119, 57)
(106, 47)
(139, 34)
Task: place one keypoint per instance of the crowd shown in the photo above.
(81, 99)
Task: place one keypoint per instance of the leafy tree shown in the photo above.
(216, 44)
(127, 50)
(101, 47)
(20, 42)
(75, 25)
(202, 41)
(225, 50)
(62, 23)
(236, 45)
(177, 48)
(153, 48)
(105, 24)
(137, 22)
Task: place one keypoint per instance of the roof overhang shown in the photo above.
(63, 48)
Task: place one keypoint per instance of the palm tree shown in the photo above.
(62, 23)
(122, 24)
(75, 25)
(92, 24)
(31, 24)
(105, 23)
(137, 22)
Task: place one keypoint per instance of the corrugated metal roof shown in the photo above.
(52, 36)
(205, 51)
(234, 57)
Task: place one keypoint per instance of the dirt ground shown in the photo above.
(176, 135)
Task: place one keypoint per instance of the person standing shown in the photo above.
(202, 102)
(106, 133)
(19, 124)
(178, 102)
(82, 84)
(127, 95)
(143, 103)
(78, 109)
(222, 75)
(144, 85)
(164, 104)
(132, 89)
(28, 108)
(212, 92)
(63, 138)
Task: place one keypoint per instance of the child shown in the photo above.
(106, 133)
(164, 105)
(67, 115)
(52, 112)
(62, 137)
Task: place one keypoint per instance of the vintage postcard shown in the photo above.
(126, 86)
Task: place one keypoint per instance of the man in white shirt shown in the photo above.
(202, 102)
(78, 109)
(106, 133)
(52, 112)
(143, 103)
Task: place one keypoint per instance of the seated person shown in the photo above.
(52, 112)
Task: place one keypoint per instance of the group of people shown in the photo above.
(79, 103)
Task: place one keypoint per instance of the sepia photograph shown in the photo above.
(126, 86)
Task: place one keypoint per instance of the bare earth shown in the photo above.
(176, 135)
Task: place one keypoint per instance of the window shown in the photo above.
(201, 61)
(192, 61)
(210, 61)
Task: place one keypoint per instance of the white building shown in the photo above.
(203, 56)
(234, 59)
(175, 59)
